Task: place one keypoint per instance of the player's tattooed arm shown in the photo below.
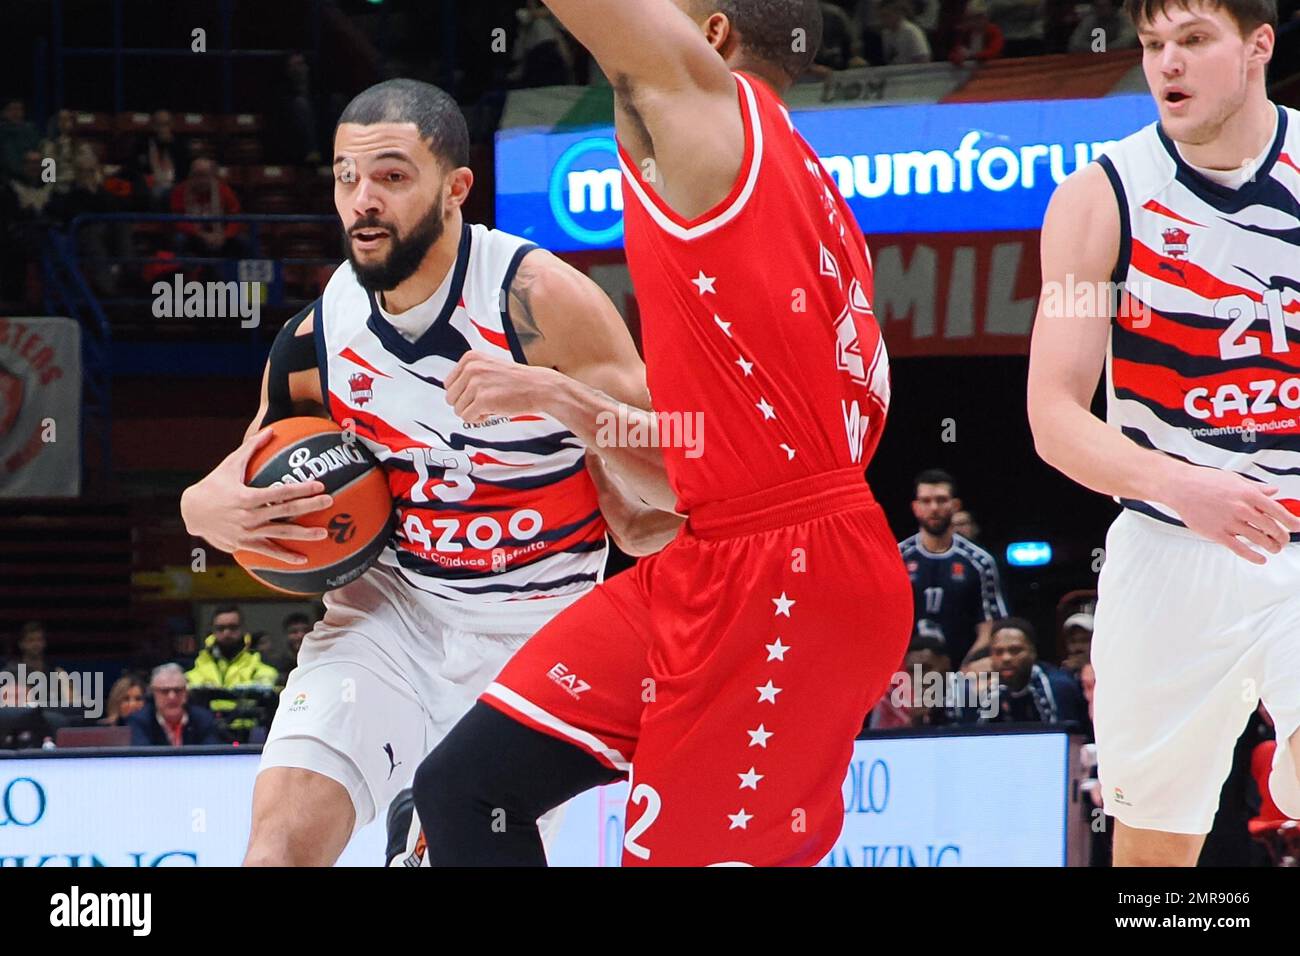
(520, 305)
(583, 370)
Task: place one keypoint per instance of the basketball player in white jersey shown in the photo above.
(1197, 220)
(499, 519)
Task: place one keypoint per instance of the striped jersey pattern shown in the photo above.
(498, 523)
(1204, 356)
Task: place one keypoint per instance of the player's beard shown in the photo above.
(403, 258)
(938, 525)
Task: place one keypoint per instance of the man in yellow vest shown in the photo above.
(228, 659)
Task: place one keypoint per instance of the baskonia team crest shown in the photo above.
(1175, 242)
(363, 388)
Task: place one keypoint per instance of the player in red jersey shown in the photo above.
(729, 674)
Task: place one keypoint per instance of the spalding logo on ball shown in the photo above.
(359, 522)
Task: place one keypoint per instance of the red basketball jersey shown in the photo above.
(757, 319)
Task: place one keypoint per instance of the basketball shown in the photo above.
(359, 521)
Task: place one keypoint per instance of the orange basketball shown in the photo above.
(359, 521)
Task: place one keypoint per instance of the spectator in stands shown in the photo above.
(1076, 641)
(976, 37)
(904, 704)
(954, 582)
(866, 31)
(1104, 29)
(13, 692)
(296, 628)
(228, 659)
(62, 145)
(17, 138)
(159, 160)
(1029, 691)
(32, 188)
(902, 41)
(927, 655)
(836, 51)
(295, 134)
(169, 719)
(203, 193)
(542, 54)
(964, 525)
(1021, 23)
(925, 14)
(30, 651)
(96, 241)
(26, 189)
(126, 697)
(185, 646)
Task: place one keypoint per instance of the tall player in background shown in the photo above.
(731, 672)
(1198, 218)
(499, 520)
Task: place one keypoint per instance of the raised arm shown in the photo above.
(676, 105)
(652, 43)
(1080, 242)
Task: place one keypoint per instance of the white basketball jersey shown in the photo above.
(497, 524)
(1204, 356)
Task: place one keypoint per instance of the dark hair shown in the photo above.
(1020, 624)
(31, 627)
(1248, 14)
(435, 114)
(928, 642)
(228, 609)
(934, 476)
(768, 29)
(297, 617)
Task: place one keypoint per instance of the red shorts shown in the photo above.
(730, 673)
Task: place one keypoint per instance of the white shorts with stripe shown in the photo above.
(1189, 639)
(379, 682)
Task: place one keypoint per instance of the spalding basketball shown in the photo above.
(359, 521)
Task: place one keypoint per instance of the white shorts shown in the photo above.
(379, 682)
(1189, 638)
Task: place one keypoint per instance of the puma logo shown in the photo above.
(393, 763)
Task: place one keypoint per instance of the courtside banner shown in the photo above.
(915, 801)
(908, 802)
(934, 168)
(40, 408)
(936, 294)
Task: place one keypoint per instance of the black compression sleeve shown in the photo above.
(290, 352)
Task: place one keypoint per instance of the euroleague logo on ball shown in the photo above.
(342, 528)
